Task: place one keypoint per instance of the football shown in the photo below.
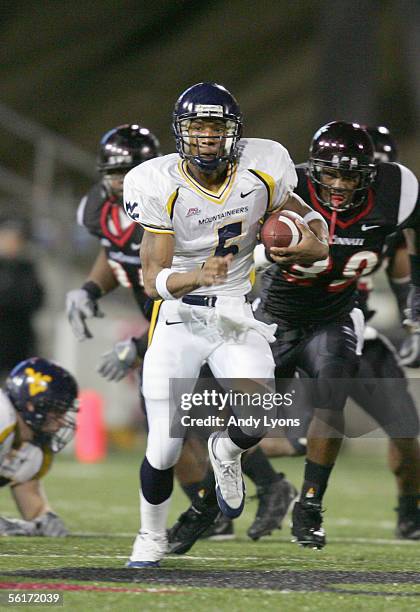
(280, 230)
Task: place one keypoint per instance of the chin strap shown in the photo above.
(332, 226)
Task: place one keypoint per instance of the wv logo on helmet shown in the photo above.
(38, 382)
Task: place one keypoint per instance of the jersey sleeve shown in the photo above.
(286, 180)
(409, 204)
(146, 206)
(47, 461)
(276, 170)
(89, 210)
(81, 209)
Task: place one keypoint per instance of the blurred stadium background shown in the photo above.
(69, 73)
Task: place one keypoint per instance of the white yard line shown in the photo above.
(339, 522)
(216, 558)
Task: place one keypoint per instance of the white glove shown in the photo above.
(22, 464)
(409, 352)
(412, 322)
(16, 527)
(261, 260)
(50, 525)
(81, 305)
(116, 364)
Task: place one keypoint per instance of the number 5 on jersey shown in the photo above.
(228, 235)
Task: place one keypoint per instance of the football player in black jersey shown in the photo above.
(118, 261)
(363, 203)
(409, 352)
(379, 360)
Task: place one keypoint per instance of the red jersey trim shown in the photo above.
(342, 224)
(122, 237)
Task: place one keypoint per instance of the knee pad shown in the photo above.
(331, 390)
(162, 451)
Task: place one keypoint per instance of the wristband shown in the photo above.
(415, 269)
(160, 284)
(92, 289)
(261, 258)
(314, 216)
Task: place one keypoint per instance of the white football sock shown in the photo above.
(154, 517)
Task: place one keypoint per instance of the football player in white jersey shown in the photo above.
(37, 418)
(201, 208)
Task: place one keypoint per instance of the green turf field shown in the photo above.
(362, 568)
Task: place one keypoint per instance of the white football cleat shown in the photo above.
(230, 486)
(148, 549)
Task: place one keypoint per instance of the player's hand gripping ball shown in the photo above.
(280, 230)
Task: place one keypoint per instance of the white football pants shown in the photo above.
(227, 336)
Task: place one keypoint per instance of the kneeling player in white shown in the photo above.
(37, 418)
(201, 209)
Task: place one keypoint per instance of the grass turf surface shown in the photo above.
(362, 567)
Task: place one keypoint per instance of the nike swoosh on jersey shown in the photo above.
(365, 228)
(173, 322)
(135, 246)
(243, 195)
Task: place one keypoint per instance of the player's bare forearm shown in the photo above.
(297, 205)
(157, 253)
(30, 499)
(212, 272)
(412, 237)
(102, 274)
(314, 244)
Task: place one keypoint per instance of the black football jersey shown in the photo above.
(327, 290)
(104, 217)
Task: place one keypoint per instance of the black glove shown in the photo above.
(81, 304)
(116, 364)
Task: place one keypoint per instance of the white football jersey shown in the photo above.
(7, 425)
(163, 197)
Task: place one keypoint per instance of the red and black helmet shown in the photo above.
(126, 146)
(348, 148)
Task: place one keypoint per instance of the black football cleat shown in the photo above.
(307, 524)
(222, 529)
(189, 527)
(408, 525)
(274, 501)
